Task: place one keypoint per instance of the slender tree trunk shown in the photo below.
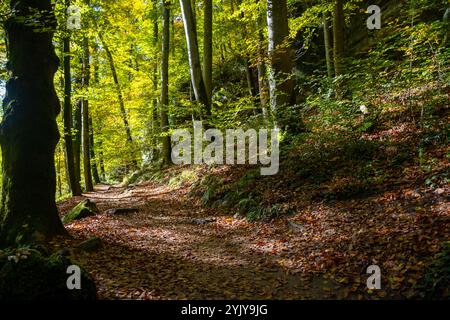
(166, 145)
(85, 118)
(194, 61)
(29, 132)
(95, 174)
(58, 169)
(327, 43)
(155, 118)
(208, 47)
(77, 139)
(74, 184)
(251, 87)
(101, 161)
(263, 87)
(281, 57)
(262, 72)
(338, 37)
(123, 111)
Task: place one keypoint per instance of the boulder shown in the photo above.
(85, 208)
(90, 245)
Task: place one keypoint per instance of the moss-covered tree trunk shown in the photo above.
(28, 132)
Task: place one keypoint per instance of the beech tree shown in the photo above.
(166, 147)
(190, 30)
(28, 132)
(281, 58)
(74, 183)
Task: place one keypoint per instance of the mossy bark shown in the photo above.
(28, 132)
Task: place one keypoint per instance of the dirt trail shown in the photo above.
(173, 248)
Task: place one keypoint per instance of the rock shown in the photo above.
(122, 211)
(85, 208)
(203, 220)
(294, 226)
(90, 245)
(33, 276)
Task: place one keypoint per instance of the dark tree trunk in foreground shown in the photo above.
(166, 146)
(198, 83)
(281, 58)
(29, 133)
(88, 185)
(74, 183)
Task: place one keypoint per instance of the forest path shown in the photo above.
(174, 248)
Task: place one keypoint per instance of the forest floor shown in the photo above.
(174, 247)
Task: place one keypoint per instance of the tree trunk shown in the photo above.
(166, 146)
(338, 37)
(154, 114)
(74, 184)
(281, 57)
(88, 185)
(207, 47)
(263, 85)
(77, 140)
(123, 111)
(327, 43)
(194, 61)
(95, 174)
(29, 132)
(101, 161)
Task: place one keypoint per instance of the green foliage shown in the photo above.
(435, 284)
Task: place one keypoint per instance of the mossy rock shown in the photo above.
(85, 208)
(28, 275)
(90, 245)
